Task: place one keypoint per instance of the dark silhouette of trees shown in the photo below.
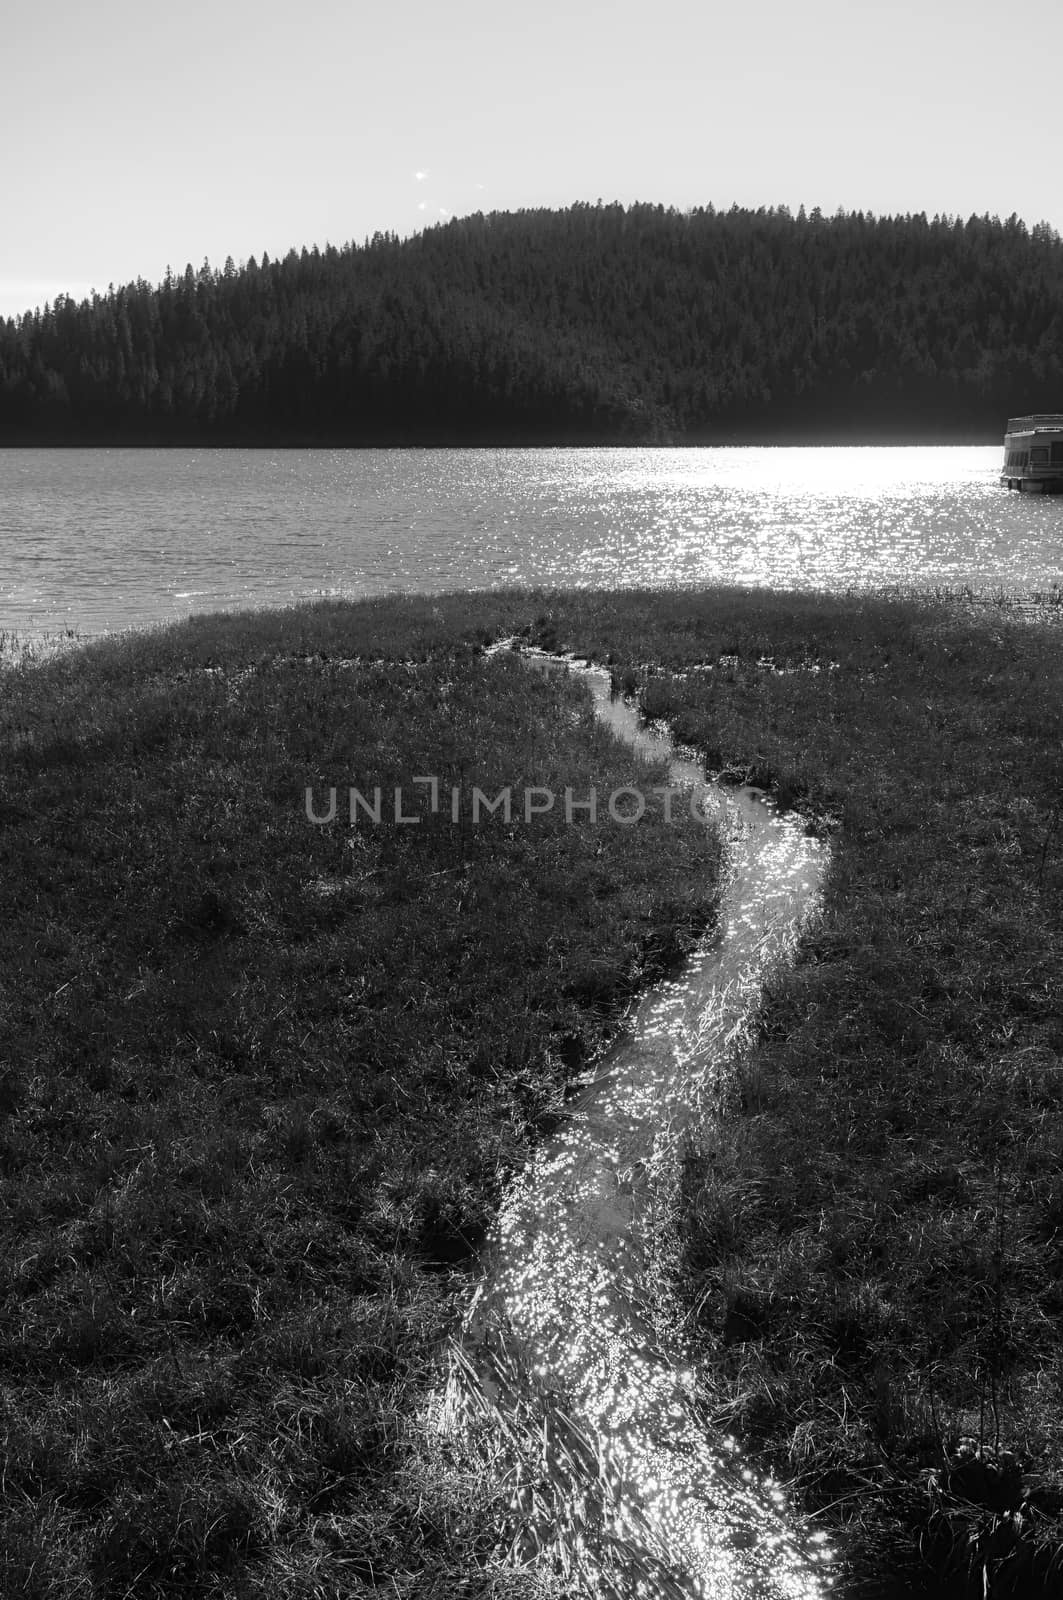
(598, 323)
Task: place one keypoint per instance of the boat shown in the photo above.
(1033, 454)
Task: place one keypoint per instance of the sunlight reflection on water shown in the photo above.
(103, 539)
(569, 1294)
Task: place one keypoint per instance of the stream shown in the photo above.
(569, 1351)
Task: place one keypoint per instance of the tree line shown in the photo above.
(596, 323)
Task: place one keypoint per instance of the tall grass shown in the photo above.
(872, 1227)
(262, 1084)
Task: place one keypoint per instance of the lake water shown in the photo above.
(103, 539)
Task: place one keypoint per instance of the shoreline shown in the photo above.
(1035, 603)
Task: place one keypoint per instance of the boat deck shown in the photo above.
(1033, 453)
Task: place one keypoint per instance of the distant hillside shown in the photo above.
(593, 324)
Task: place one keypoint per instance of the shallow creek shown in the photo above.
(567, 1339)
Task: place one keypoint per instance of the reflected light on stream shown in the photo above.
(636, 1494)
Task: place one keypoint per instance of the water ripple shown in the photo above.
(570, 1310)
(103, 539)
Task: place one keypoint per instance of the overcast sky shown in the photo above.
(139, 136)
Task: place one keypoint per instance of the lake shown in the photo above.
(104, 539)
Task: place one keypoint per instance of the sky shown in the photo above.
(137, 137)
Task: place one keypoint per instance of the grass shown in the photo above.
(872, 1230)
(262, 1083)
(17, 649)
(262, 1086)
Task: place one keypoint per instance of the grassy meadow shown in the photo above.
(873, 1230)
(262, 1081)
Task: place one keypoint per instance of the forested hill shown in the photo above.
(592, 324)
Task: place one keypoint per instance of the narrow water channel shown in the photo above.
(634, 1493)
